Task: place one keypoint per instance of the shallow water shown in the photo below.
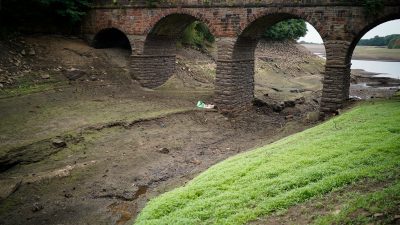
(384, 69)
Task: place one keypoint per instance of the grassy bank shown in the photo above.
(363, 52)
(362, 143)
(376, 53)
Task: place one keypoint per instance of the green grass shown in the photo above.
(376, 53)
(362, 143)
(32, 83)
(374, 208)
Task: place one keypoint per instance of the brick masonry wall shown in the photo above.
(152, 71)
(234, 90)
(236, 24)
(234, 82)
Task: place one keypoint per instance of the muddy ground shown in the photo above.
(95, 148)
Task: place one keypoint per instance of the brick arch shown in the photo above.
(101, 27)
(258, 22)
(194, 14)
(111, 37)
(366, 28)
(270, 17)
(157, 61)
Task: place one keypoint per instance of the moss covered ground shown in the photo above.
(363, 143)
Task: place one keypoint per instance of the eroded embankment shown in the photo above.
(105, 174)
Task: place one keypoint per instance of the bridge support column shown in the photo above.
(336, 83)
(234, 83)
(153, 60)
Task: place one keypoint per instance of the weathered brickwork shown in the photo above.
(152, 71)
(152, 32)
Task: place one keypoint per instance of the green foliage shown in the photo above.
(361, 144)
(42, 13)
(394, 43)
(152, 3)
(71, 9)
(373, 7)
(378, 41)
(287, 30)
(197, 35)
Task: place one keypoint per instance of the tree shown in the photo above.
(198, 35)
(394, 43)
(373, 7)
(287, 30)
(20, 13)
(379, 41)
(71, 9)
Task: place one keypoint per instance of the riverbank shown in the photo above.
(367, 85)
(363, 52)
(83, 143)
(364, 83)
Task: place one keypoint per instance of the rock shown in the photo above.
(378, 215)
(289, 103)
(315, 100)
(300, 100)
(45, 76)
(163, 150)
(1, 85)
(259, 103)
(276, 89)
(297, 91)
(68, 195)
(354, 98)
(74, 74)
(196, 161)
(32, 52)
(289, 117)
(313, 116)
(278, 107)
(37, 207)
(336, 212)
(58, 143)
(8, 187)
(23, 52)
(93, 78)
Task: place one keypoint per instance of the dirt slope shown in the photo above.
(94, 149)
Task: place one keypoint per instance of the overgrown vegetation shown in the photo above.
(373, 7)
(362, 143)
(71, 9)
(291, 29)
(48, 16)
(390, 41)
(394, 43)
(197, 35)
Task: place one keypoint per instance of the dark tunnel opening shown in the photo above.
(111, 38)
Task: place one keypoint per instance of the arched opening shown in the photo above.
(111, 38)
(286, 78)
(177, 52)
(375, 58)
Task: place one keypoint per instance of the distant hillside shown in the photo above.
(391, 41)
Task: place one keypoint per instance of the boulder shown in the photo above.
(74, 74)
(58, 143)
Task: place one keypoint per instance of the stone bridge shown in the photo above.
(151, 30)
